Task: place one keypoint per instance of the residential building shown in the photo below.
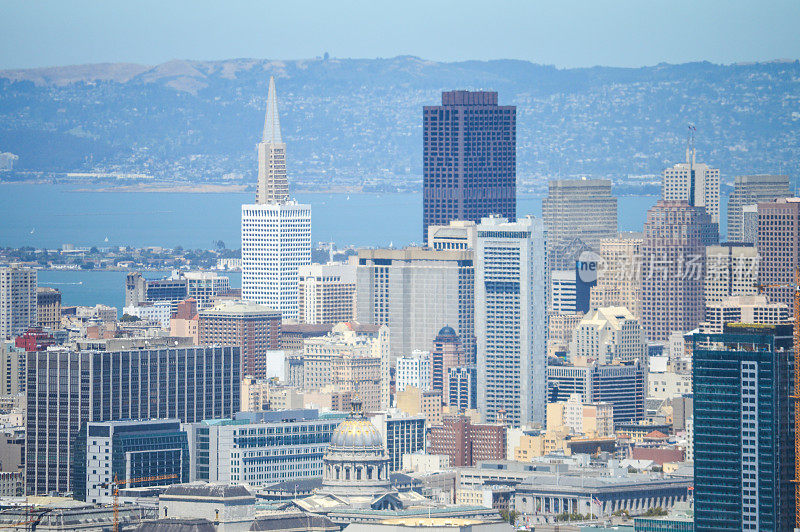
(415, 291)
(621, 385)
(462, 388)
(185, 321)
(156, 311)
(731, 270)
(693, 182)
(750, 190)
(577, 214)
(110, 451)
(327, 293)
(114, 380)
(255, 394)
(254, 328)
(591, 419)
(465, 443)
(260, 448)
(12, 364)
(607, 334)
(17, 300)
(509, 319)
(414, 370)
(469, 162)
(673, 261)
(745, 309)
(779, 248)
(276, 231)
(48, 308)
(349, 362)
(619, 276)
(743, 439)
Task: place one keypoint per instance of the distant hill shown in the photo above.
(358, 121)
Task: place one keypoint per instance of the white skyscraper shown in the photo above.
(510, 318)
(276, 231)
(694, 182)
(17, 300)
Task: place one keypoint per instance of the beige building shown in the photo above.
(696, 183)
(619, 274)
(607, 334)
(668, 384)
(535, 445)
(185, 321)
(254, 394)
(17, 300)
(48, 307)
(731, 270)
(414, 402)
(559, 331)
(327, 293)
(459, 234)
(348, 362)
(591, 419)
(745, 309)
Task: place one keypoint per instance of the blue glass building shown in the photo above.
(743, 445)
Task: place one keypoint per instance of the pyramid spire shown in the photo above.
(272, 123)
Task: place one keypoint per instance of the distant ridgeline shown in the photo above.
(356, 121)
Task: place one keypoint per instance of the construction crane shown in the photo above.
(116, 483)
(796, 391)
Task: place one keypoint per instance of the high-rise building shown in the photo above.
(48, 307)
(402, 434)
(745, 309)
(327, 293)
(509, 319)
(779, 248)
(751, 190)
(621, 385)
(108, 450)
(559, 333)
(731, 270)
(619, 275)
(469, 162)
(743, 439)
(693, 182)
(446, 354)
(273, 185)
(17, 300)
(260, 448)
(676, 235)
(577, 213)
(413, 370)
(607, 334)
(12, 366)
(276, 231)
(414, 291)
(465, 443)
(254, 328)
(462, 384)
(114, 380)
(185, 321)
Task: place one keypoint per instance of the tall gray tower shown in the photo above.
(273, 185)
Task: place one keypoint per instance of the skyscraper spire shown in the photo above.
(273, 186)
(272, 123)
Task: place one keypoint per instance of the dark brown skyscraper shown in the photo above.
(469, 159)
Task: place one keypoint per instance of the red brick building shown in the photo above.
(34, 339)
(467, 444)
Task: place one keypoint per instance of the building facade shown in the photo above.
(509, 320)
(254, 328)
(743, 442)
(48, 307)
(607, 334)
(327, 293)
(673, 266)
(779, 248)
(17, 300)
(414, 370)
(469, 160)
(273, 184)
(731, 270)
(466, 443)
(260, 448)
(118, 451)
(752, 190)
(67, 388)
(693, 182)
(619, 275)
(745, 309)
(462, 388)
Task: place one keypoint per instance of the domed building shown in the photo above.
(356, 461)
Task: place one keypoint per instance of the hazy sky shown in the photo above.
(562, 32)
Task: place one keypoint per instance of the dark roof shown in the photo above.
(202, 489)
(447, 331)
(177, 525)
(304, 485)
(307, 328)
(298, 521)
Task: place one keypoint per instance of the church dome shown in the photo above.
(355, 434)
(446, 331)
